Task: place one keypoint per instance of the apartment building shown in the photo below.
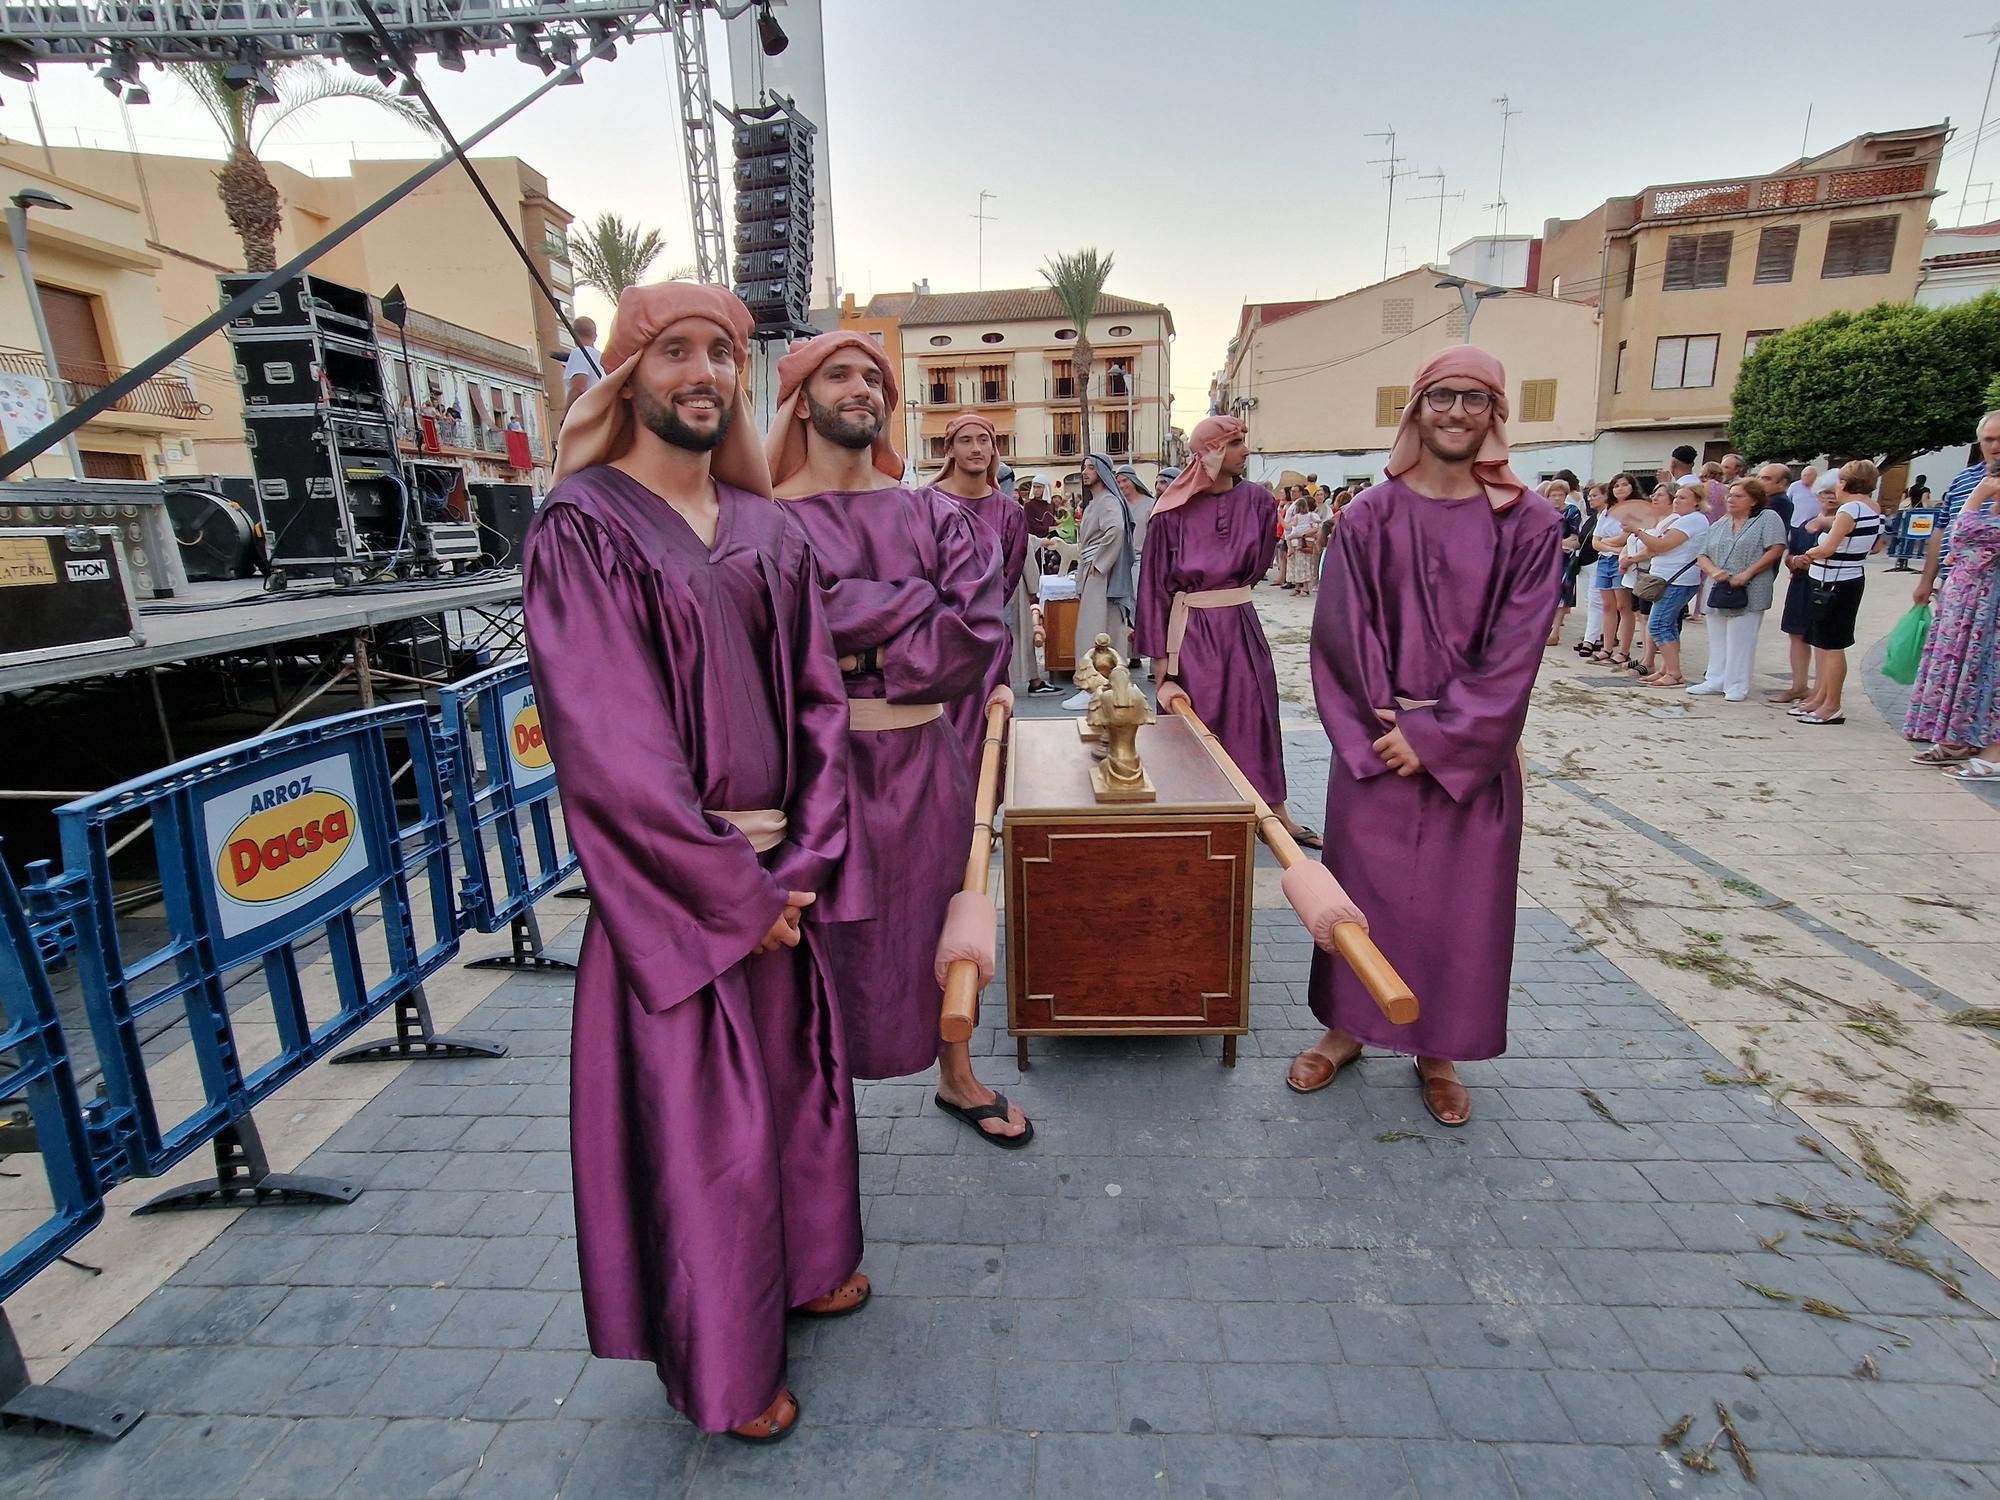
(1011, 355)
(1323, 383)
(440, 244)
(98, 280)
(1690, 275)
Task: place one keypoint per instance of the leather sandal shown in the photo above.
(844, 1300)
(774, 1426)
(1439, 1102)
(1312, 1071)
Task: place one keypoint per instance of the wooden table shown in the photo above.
(1126, 918)
(1059, 635)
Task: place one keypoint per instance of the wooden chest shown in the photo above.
(1126, 917)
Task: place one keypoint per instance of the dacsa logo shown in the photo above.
(524, 738)
(291, 838)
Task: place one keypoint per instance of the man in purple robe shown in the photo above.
(688, 689)
(911, 584)
(1210, 539)
(1433, 610)
(970, 478)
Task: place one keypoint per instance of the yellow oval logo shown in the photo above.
(285, 849)
(531, 751)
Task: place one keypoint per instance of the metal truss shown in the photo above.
(166, 31)
(697, 101)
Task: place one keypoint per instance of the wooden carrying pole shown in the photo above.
(1374, 971)
(961, 981)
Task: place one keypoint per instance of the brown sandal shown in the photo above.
(774, 1426)
(1312, 1071)
(849, 1297)
(1441, 1104)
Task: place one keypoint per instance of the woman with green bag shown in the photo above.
(1904, 652)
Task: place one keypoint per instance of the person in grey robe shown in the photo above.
(1106, 582)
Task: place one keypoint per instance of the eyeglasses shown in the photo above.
(1440, 398)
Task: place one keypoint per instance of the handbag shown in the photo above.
(1651, 587)
(1725, 595)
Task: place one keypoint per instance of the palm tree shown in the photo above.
(612, 255)
(249, 197)
(1077, 278)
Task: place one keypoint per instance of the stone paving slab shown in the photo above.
(1197, 1283)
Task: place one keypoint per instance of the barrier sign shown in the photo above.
(512, 852)
(286, 846)
(528, 761)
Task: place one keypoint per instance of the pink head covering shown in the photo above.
(786, 446)
(957, 425)
(1489, 465)
(1204, 472)
(598, 426)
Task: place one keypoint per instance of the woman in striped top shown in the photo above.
(1835, 568)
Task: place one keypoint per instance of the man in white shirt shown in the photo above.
(583, 369)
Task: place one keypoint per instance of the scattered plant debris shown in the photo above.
(1771, 1293)
(1736, 1444)
(1603, 1110)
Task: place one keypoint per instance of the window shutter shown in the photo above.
(1712, 258)
(1777, 248)
(1860, 247)
(1682, 250)
(1538, 401)
(1389, 403)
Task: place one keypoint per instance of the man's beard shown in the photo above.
(664, 422)
(848, 430)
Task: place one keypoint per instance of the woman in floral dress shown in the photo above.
(1953, 703)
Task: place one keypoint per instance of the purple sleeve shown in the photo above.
(1474, 729)
(1350, 662)
(682, 895)
(1267, 550)
(949, 650)
(862, 614)
(816, 821)
(1156, 592)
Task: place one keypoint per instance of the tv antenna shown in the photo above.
(984, 219)
(1440, 195)
(1393, 165)
(1499, 203)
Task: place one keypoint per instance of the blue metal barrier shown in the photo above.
(40, 1077)
(504, 799)
(264, 849)
(1909, 534)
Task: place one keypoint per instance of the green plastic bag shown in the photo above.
(1906, 645)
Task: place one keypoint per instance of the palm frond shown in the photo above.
(612, 255)
(1077, 277)
(308, 81)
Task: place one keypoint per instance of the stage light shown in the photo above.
(528, 50)
(770, 35)
(359, 54)
(562, 47)
(450, 49)
(601, 32)
(138, 93)
(16, 61)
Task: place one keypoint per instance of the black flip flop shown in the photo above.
(1308, 838)
(997, 1110)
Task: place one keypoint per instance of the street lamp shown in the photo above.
(17, 231)
(914, 406)
(1469, 299)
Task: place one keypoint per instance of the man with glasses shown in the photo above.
(1435, 603)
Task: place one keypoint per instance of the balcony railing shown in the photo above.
(162, 396)
(460, 436)
(1067, 445)
(1060, 388)
(1117, 442)
(943, 393)
(995, 392)
(1839, 185)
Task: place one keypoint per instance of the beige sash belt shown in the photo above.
(763, 826)
(1177, 617)
(871, 715)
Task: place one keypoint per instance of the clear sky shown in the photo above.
(1219, 152)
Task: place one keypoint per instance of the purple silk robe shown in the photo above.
(1219, 542)
(1447, 600)
(1007, 525)
(913, 576)
(711, 1116)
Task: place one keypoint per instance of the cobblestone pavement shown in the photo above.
(1194, 1284)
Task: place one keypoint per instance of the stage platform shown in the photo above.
(215, 619)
